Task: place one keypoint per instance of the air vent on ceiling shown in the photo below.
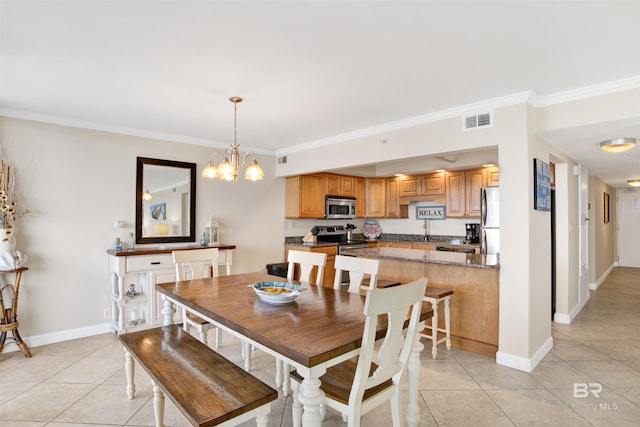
(282, 160)
(477, 121)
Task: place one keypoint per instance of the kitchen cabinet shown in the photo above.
(409, 186)
(340, 185)
(475, 181)
(360, 198)
(135, 304)
(330, 266)
(305, 196)
(375, 197)
(392, 201)
(463, 193)
(493, 176)
(433, 184)
(332, 184)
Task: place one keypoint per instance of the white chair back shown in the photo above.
(393, 352)
(196, 263)
(307, 261)
(357, 268)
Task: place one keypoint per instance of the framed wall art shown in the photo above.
(541, 185)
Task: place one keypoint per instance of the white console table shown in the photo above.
(134, 302)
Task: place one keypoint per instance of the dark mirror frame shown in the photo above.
(141, 161)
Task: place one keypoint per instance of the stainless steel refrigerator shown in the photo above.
(490, 221)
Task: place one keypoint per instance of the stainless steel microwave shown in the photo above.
(340, 207)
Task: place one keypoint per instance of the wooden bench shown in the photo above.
(208, 389)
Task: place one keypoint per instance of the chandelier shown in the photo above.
(228, 169)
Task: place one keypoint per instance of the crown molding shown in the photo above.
(585, 92)
(476, 107)
(530, 97)
(104, 127)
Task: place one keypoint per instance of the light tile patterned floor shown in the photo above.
(81, 383)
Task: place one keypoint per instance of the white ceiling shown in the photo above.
(309, 70)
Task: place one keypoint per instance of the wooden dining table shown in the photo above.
(321, 328)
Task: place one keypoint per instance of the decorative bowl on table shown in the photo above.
(277, 292)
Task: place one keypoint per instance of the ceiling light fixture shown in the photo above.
(146, 195)
(634, 182)
(228, 169)
(618, 145)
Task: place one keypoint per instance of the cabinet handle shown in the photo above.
(155, 263)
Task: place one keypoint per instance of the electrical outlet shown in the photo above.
(107, 314)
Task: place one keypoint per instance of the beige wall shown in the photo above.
(78, 182)
(602, 254)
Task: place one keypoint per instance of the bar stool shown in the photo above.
(434, 296)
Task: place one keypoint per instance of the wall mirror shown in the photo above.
(165, 201)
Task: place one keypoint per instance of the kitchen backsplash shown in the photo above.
(392, 237)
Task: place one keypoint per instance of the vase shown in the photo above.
(7, 241)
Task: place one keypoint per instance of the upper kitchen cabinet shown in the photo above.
(375, 197)
(431, 184)
(392, 202)
(409, 186)
(340, 185)
(463, 192)
(305, 196)
(360, 199)
(493, 176)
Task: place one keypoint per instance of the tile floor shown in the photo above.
(81, 382)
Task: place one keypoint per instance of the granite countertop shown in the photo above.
(311, 245)
(426, 256)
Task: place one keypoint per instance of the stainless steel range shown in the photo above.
(338, 234)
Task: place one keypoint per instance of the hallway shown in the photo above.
(80, 383)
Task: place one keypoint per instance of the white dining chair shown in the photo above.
(358, 268)
(197, 264)
(306, 262)
(358, 385)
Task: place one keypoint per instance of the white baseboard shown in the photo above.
(522, 363)
(60, 336)
(566, 319)
(594, 286)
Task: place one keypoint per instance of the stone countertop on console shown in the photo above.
(429, 257)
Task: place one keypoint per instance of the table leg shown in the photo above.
(311, 397)
(129, 370)
(167, 311)
(413, 379)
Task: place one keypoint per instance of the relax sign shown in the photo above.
(431, 212)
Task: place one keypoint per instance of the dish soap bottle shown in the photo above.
(211, 230)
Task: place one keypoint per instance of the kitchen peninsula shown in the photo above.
(474, 278)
